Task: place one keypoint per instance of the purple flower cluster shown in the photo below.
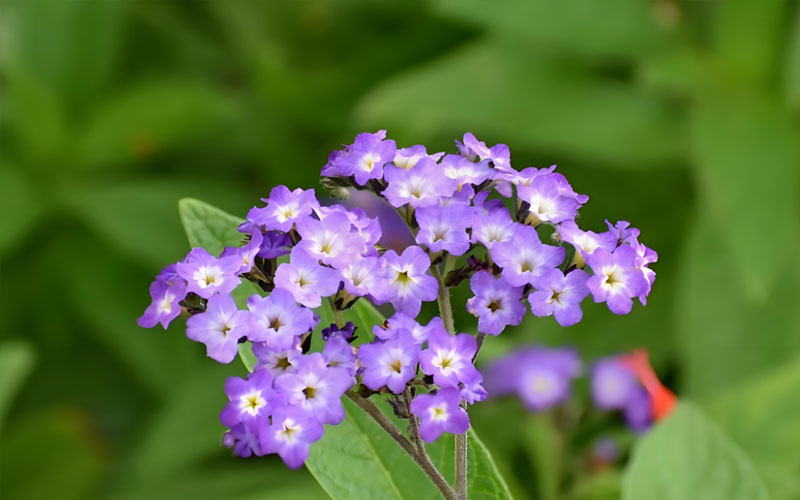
(471, 215)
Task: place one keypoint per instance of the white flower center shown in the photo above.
(208, 276)
(438, 413)
(252, 403)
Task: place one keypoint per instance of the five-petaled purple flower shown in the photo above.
(524, 257)
(316, 387)
(496, 303)
(449, 358)
(365, 158)
(206, 275)
(248, 400)
(306, 279)
(440, 413)
(284, 208)
(220, 327)
(289, 435)
(407, 279)
(616, 280)
(391, 363)
(560, 295)
(277, 319)
(445, 228)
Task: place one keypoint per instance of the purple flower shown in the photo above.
(499, 154)
(391, 363)
(449, 359)
(420, 186)
(613, 384)
(400, 322)
(330, 240)
(524, 257)
(547, 203)
(616, 278)
(290, 434)
(540, 377)
(560, 295)
(366, 157)
(220, 327)
(277, 319)
(306, 279)
(496, 303)
(440, 413)
(407, 158)
(407, 279)
(165, 305)
(339, 353)
(623, 232)
(464, 171)
(275, 244)
(445, 228)
(645, 256)
(493, 227)
(366, 228)
(585, 242)
(316, 388)
(206, 275)
(244, 440)
(247, 253)
(248, 400)
(284, 208)
(362, 276)
(278, 362)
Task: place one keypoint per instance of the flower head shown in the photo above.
(306, 279)
(560, 295)
(316, 387)
(524, 257)
(407, 279)
(206, 275)
(391, 363)
(277, 319)
(290, 434)
(366, 157)
(496, 303)
(284, 208)
(547, 200)
(220, 328)
(449, 358)
(616, 279)
(445, 228)
(400, 322)
(330, 240)
(420, 186)
(248, 400)
(440, 413)
(246, 253)
(166, 303)
(278, 362)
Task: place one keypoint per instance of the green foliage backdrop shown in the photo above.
(680, 117)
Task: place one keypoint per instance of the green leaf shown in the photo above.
(761, 416)
(154, 118)
(534, 102)
(209, 227)
(19, 200)
(745, 148)
(246, 355)
(686, 456)
(16, 362)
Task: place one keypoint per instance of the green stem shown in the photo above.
(420, 456)
(337, 314)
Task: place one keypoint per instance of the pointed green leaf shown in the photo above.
(209, 227)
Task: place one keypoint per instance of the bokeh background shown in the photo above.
(680, 117)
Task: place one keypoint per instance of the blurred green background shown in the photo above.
(680, 117)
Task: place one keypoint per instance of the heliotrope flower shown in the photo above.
(249, 399)
(330, 240)
(220, 327)
(316, 388)
(275, 244)
(246, 253)
(493, 227)
(284, 208)
(407, 280)
(278, 362)
(306, 279)
(244, 440)
(560, 295)
(616, 279)
(440, 413)
(474, 392)
(499, 154)
(391, 363)
(290, 434)
(585, 242)
(165, 305)
(464, 171)
(277, 319)
(524, 257)
(638, 410)
(645, 256)
(366, 157)
(623, 232)
(420, 186)
(362, 276)
(449, 358)
(496, 303)
(546, 200)
(206, 275)
(445, 228)
(407, 158)
(346, 332)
